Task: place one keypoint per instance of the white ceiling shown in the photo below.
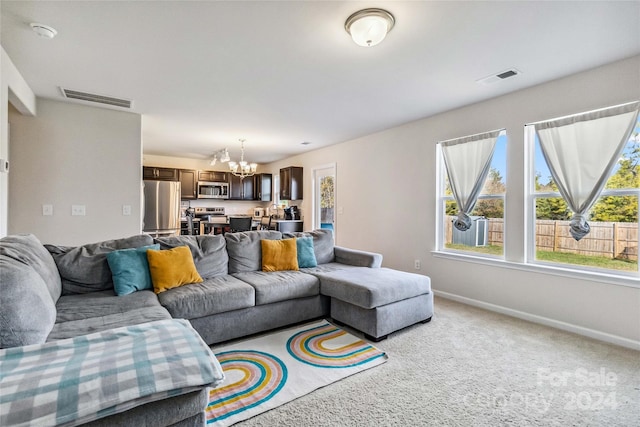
(204, 74)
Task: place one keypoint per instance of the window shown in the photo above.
(611, 245)
(485, 237)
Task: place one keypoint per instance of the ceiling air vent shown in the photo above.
(494, 78)
(99, 99)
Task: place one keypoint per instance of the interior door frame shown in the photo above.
(315, 207)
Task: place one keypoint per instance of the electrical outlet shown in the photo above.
(416, 264)
(47, 210)
(78, 210)
(126, 209)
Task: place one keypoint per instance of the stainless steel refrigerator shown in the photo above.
(161, 208)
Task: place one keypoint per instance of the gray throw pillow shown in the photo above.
(27, 312)
(27, 249)
(322, 243)
(245, 249)
(85, 268)
(209, 252)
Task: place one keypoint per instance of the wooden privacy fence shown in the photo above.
(606, 239)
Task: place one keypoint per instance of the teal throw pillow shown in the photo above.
(306, 255)
(130, 269)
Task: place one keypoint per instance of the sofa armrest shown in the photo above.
(357, 257)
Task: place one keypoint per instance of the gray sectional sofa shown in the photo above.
(52, 293)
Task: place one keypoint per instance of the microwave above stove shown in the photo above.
(213, 190)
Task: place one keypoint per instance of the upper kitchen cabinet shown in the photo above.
(160, 174)
(188, 184)
(262, 187)
(291, 183)
(240, 189)
(212, 176)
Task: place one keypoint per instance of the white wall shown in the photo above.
(386, 189)
(14, 90)
(72, 154)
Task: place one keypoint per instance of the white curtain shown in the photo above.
(467, 161)
(581, 152)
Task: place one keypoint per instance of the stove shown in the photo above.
(218, 211)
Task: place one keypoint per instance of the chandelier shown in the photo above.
(242, 169)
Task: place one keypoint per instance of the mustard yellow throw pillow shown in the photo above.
(279, 255)
(172, 268)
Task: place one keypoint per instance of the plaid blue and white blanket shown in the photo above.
(76, 380)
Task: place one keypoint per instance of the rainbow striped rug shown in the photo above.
(268, 371)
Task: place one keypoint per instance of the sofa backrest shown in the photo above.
(85, 269)
(209, 252)
(322, 243)
(245, 249)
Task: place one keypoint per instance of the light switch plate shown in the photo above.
(78, 210)
(47, 210)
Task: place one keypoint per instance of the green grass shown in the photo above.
(559, 257)
(591, 261)
(489, 249)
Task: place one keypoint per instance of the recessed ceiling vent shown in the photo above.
(495, 78)
(94, 98)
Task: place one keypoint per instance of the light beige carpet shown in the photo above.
(471, 367)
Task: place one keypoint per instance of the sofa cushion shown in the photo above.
(83, 314)
(279, 255)
(74, 328)
(280, 285)
(306, 253)
(328, 267)
(103, 303)
(322, 243)
(372, 287)
(245, 250)
(85, 269)
(130, 269)
(27, 312)
(172, 268)
(28, 250)
(215, 295)
(209, 252)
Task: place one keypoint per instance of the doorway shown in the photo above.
(324, 197)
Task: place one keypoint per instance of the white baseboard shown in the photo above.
(591, 333)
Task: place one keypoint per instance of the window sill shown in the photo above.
(620, 280)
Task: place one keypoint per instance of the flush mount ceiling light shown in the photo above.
(43, 30)
(368, 27)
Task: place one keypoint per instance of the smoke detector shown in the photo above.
(43, 30)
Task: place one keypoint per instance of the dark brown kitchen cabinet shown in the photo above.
(160, 174)
(262, 187)
(212, 176)
(291, 183)
(240, 189)
(188, 184)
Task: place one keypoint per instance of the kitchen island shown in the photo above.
(288, 225)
